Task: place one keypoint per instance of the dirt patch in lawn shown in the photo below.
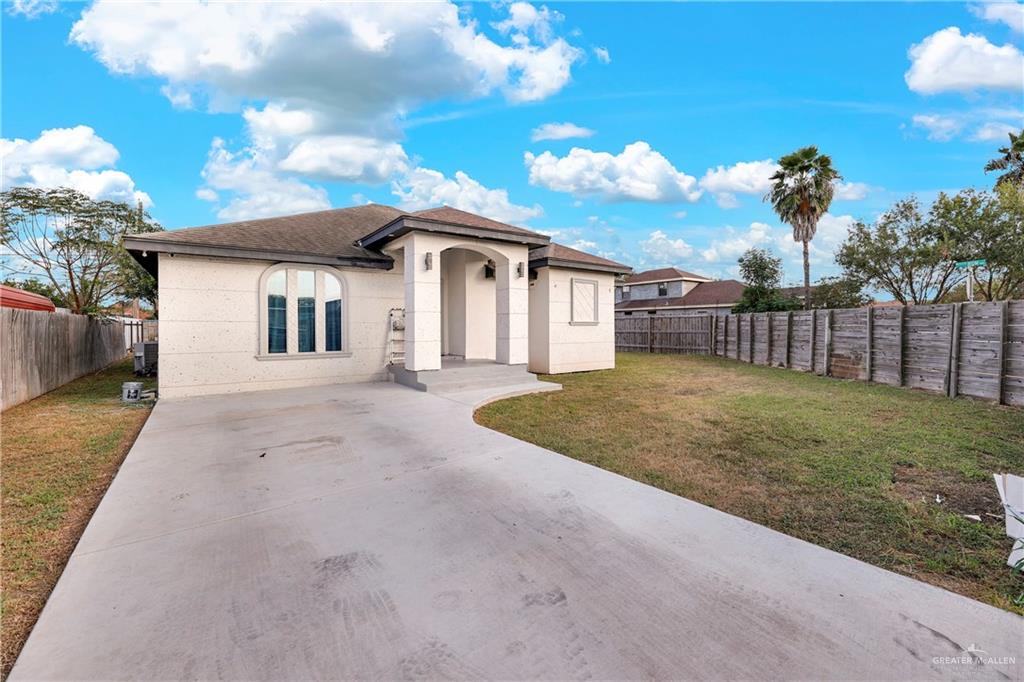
(850, 466)
(949, 490)
(60, 452)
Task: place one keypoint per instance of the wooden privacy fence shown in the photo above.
(973, 349)
(40, 351)
(654, 334)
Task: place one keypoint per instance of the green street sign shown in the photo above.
(963, 264)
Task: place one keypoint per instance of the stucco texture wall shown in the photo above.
(210, 329)
(556, 344)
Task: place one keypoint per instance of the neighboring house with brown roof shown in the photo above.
(669, 291)
(346, 295)
(704, 297)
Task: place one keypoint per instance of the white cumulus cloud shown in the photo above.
(32, 9)
(426, 188)
(253, 188)
(638, 173)
(851, 191)
(603, 55)
(938, 127)
(559, 131)
(745, 177)
(994, 131)
(1009, 13)
(949, 61)
(346, 157)
(69, 157)
(661, 249)
(359, 64)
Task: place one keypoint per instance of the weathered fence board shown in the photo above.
(40, 351)
(664, 334)
(972, 349)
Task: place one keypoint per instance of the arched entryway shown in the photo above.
(469, 321)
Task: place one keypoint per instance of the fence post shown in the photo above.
(712, 329)
(739, 333)
(867, 348)
(789, 334)
(814, 338)
(650, 334)
(828, 342)
(903, 311)
(725, 336)
(953, 372)
(750, 347)
(768, 359)
(1002, 349)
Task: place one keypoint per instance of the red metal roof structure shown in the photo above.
(12, 297)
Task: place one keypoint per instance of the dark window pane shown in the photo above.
(333, 322)
(307, 311)
(332, 312)
(277, 315)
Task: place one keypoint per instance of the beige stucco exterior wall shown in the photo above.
(210, 329)
(556, 345)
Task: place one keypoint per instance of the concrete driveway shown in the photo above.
(372, 531)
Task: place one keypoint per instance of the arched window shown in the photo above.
(302, 311)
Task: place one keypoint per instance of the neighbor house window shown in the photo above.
(662, 288)
(625, 293)
(277, 312)
(584, 301)
(309, 297)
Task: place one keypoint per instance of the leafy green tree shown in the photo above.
(901, 253)
(839, 292)
(762, 273)
(1011, 161)
(989, 226)
(75, 242)
(34, 286)
(801, 194)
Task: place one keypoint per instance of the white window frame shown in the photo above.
(292, 314)
(572, 302)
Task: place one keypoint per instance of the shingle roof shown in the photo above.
(330, 233)
(447, 214)
(722, 292)
(560, 252)
(662, 274)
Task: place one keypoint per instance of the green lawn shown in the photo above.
(60, 452)
(850, 466)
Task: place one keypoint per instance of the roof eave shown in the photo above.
(405, 224)
(141, 248)
(576, 265)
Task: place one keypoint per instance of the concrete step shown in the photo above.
(463, 377)
(479, 397)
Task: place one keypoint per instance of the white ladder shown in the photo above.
(396, 336)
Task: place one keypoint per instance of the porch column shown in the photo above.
(513, 305)
(422, 304)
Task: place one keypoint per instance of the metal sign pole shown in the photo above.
(970, 285)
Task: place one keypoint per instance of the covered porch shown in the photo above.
(466, 291)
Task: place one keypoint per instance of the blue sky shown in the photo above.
(215, 113)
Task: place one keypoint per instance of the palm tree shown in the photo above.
(1011, 161)
(801, 194)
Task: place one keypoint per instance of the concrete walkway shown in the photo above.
(376, 532)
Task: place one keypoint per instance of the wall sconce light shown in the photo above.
(519, 269)
(428, 261)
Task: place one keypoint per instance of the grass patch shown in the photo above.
(60, 452)
(850, 466)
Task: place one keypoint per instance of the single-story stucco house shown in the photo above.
(345, 295)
